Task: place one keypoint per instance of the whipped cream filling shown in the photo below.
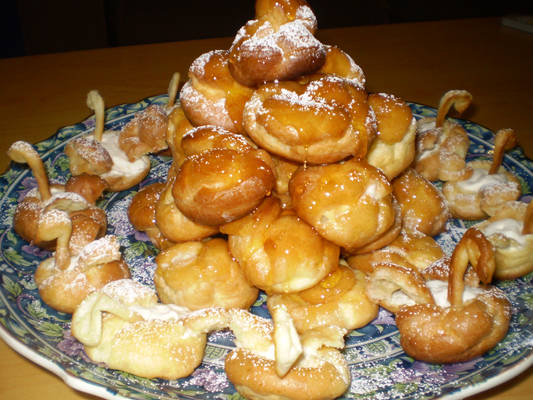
(162, 312)
(439, 291)
(122, 166)
(479, 179)
(507, 227)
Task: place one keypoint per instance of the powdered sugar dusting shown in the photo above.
(198, 65)
(127, 291)
(103, 250)
(201, 103)
(267, 43)
(307, 17)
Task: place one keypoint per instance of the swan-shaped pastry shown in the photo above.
(510, 230)
(65, 279)
(488, 187)
(442, 145)
(465, 324)
(76, 197)
(100, 154)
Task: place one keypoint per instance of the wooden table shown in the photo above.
(416, 61)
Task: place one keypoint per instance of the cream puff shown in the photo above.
(212, 96)
(393, 150)
(278, 251)
(279, 44)
(315, 119)
(337, 300)
(424, 208)
(349, 203)
(202, 274)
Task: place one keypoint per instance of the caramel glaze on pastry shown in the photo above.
(209, 137)
(337, 300)
(349, 203)
(424, 208)
(173, 224)
(394, 148)
(277, 45)
(460, 328)
(283, 170)
(316, 119)
(222, 184)
(278, 251)
(178, 126)
(90, 187)
(202, 274)
(212, 96)
(341, 64)
(142, 214)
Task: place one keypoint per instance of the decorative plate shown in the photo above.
(379, 367)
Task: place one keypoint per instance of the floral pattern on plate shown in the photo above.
(379, 367)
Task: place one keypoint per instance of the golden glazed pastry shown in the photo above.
(202, 274)
(123, 326)
(212, 96)
(424, 208)
(488, 187)
(278, 251)
(272, 361)
(142, 214)
(337, 300)
(394, 148)
(283, 170)
(341, 64)
(178, 126)
(147, 131)
(349, 203)
(65, 279)
(90, 187)
(277, 45)
(100, 154)
(172, 223)
(442, 145)
(461, 323)
(410, 250)
(316, 119)
(394, 286)
(222, 183)
(210, 137)
(510, 230)
(88, 222)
